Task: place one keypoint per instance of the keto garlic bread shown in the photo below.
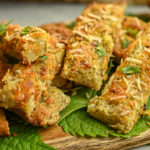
(127, 91)
(47, 111)
(91, 44)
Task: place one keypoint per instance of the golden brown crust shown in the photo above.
(59, 29)
(131, 26)
(47, 112)
(4, 126)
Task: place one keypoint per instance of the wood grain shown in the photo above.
(56, 137)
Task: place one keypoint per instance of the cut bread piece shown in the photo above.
(4, 126)
(47, 111)
(62, 33)
(25, 44)
(21, 89)
(91, 44)
(132, 27)
(24, 84)
(127, 91)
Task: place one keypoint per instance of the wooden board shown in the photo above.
(57, 138)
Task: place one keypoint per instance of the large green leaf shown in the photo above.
(27, 136)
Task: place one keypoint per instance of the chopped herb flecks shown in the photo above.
(130, 70)
(44, 57)
(125, 43)
(132, 32)
(3, 28)
(71, 25)
(25, 30)
(100, 51)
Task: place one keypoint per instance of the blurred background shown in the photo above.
(36, 12)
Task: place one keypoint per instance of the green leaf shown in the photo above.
(130, 70)
(132, 32)
(77, 102)
(44, 57)
(27, 136)
(144, 17)
(71, 25)
(25, 30)
(80, 123)
(90, 93)
(100, 51)
(125, 43)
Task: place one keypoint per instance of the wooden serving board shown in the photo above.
(57, 138)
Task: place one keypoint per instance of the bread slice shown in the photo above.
(47, 111)
(25, 43)
(124, 96)
(131, 28)
(91, 44)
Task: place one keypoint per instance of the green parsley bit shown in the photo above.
(125, 43)
(3, 27)
(100, 51)
(132, 32)
(44, 57)
(9, 22)
(130, 70)
(25, 30)
(71, 25)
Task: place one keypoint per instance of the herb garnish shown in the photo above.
(71, 25)
(25, 30)
(125, 43)
(44, 57)
(130, 70)
(100, 51)
(132, 32)
(3, 27)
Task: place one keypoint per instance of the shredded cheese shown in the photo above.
(94, 16)
(146, 49)
(125, 80)
(75, 50)
(81, 34)
(60, 45)
(86, 19)
(75, 44)
(110, 17)
(130, 85)
(139, 83)
(134, 60)
(118, 97)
